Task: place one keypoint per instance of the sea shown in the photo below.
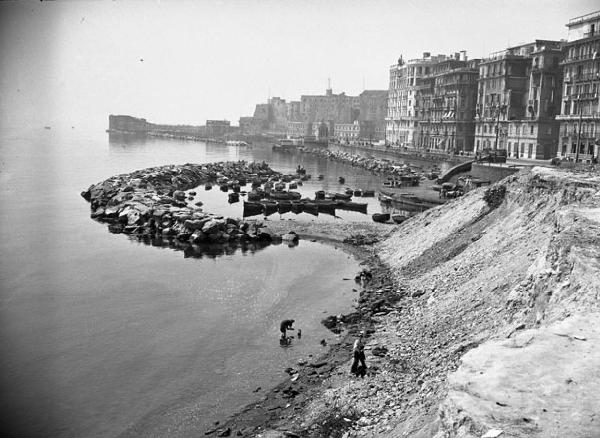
(102, 335)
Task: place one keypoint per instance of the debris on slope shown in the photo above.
(469, 272)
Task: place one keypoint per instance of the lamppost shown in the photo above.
(577, 145)
(498, 110)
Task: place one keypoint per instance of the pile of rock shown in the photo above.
(375, 165)
(153, 202)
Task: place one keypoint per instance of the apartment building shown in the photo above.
(580, 110)
(518, 100)
(446, 108)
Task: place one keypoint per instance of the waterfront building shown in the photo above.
(217, 128)
(518, 99)
(294, 113)
(251, 126)
(357, 130)
(339, 108)
(446, 110)
(297, 130)
(580, 110)
(407, 80)
(373, 108)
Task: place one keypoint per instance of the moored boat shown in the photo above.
(352, 206)
(252, 208)
(311, 208)
(381, 217)
(399, 218)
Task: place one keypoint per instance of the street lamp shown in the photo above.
(577, 145)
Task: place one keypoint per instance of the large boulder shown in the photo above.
(213, 225)
(179, 195)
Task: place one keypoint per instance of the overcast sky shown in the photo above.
(73, 63)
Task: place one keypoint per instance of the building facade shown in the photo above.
(518, 100)
(355, 131)
(580, 110)
(217, 128)
(408, 81)
(446, 114)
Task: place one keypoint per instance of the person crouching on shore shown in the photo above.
(285, 325)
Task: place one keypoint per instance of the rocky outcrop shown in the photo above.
(152, 202)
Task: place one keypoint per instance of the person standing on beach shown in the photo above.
(285, 325)
(358, 351)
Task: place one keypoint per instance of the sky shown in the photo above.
(182, 62)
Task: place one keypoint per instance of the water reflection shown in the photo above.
(207, 250)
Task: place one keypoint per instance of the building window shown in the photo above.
(530, 150)
(531, 129)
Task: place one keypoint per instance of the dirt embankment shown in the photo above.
(492, 304)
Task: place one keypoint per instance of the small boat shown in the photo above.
(352, 206)
(224, 187)
(349, 192)
(252, 208)
(342, 196)
(207, 186)
(255, 195)
(321, 177)
(47, 127)
(285, 196)
(327, 207)
(385, 199)
(292, 185)
(381, 217)
(342, 180)
(270, 208)
(320, 194)
(233, 197)
(358, 192)
(311, 208)
(399, 218)
(368, 193)
(284, 207)
(297, 207)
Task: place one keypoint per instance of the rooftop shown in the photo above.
(583, 18)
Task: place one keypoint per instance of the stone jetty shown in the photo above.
(377, 166)
(152, 202)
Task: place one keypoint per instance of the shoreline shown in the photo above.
(278, 409)
(137, 201)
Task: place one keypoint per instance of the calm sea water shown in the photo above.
(103, 336)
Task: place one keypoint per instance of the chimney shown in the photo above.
(426, 55)
(457, 56)
(463, 55)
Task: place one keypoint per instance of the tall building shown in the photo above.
(338, 108)
(446, 112)
(518, 99)
(580, 110)
(373, 109)
(407, 81)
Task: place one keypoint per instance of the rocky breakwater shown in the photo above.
(152, 203)
(377, 166)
